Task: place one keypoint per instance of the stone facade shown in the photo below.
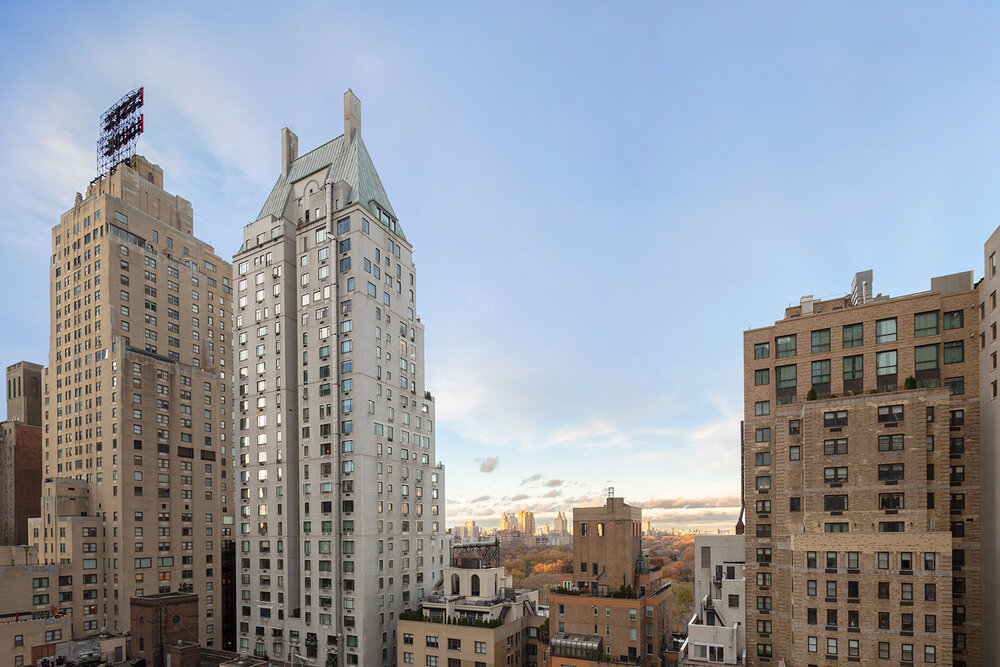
(866, 500)
(342, 522)
(138, 397)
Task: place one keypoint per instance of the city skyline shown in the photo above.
(639, 123)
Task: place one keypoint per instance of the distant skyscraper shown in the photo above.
(863, 529)
(526, 523)
(138, 405)
(341, 499)
(560, 525)
(508, 521)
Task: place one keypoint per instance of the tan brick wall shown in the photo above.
(926, 528)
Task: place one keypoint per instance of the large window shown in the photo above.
(854, 335)
(821, 372)
(925, 357)
(885, 362)
(885, 330)
(761, 350)
(786, 377)
(925, 324)
(821, 341)
(953, 320)
(785, 346)
(853, 367)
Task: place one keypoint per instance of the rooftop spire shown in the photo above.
(352, 116)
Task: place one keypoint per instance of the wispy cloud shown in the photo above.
(688, 503)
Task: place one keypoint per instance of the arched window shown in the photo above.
(475, 585)
(454, 584)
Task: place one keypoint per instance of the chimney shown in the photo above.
(352, 116)
(289, 149)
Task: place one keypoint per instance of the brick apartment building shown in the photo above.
(862, 479)
(617, 607)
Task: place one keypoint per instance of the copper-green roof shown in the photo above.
(352, 165)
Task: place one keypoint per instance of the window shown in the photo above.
(786, 377)
(811, 559)
(954, 352)
(835, 504)
(890, 413)
(821, 341)
(885, 330)
(930, 561)
(957, 473)
(821, 372)
(762, 408)
(892, 527)
(925, 324)
(763, 507)
(956, 418)
(794, 453)
(795, 504)
(785, 346)
(763, 458)
(794, 426)
(763, 650)
(885, 362)
(883, 650)
(890, 501)
(762, 377)
(890, 443)
(762, 435)
(831, 646)
(883, 590)
(925, 357)
(836, 474)
(812, 641)
(811, 588)
(835, 446)
(890, 471)
(853, 335)
(930, 654)
(761, 350)
(953, 320)
(763, 483)
(956, 385)
(854, 367)
(836, 527)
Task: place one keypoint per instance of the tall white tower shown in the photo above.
(341, 498)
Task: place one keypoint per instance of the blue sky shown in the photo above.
(601, 197)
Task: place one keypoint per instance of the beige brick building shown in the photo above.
(617, 607)
(862, 479)
(137, 402)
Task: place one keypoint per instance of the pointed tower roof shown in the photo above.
(343, 159)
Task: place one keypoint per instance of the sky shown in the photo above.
(601, 197)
